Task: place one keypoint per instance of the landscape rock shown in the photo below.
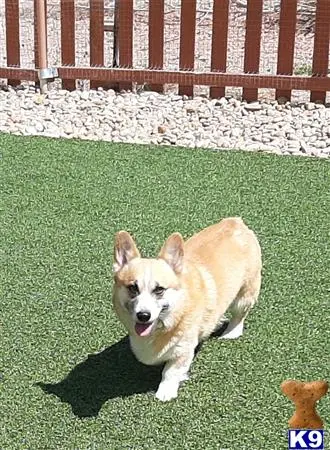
(274, 126)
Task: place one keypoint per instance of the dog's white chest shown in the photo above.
(144, 351)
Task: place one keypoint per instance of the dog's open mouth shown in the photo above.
(143, 329)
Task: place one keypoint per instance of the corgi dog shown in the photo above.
(171, 303)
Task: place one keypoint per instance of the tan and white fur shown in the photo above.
(171, 303)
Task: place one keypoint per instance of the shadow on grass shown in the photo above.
(113, 373)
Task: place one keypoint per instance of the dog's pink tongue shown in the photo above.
(143, 329)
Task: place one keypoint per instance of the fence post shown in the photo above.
(40, 46)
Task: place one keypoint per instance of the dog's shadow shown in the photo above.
(112, 373)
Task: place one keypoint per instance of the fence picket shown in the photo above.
(321, 46)
(12, 36)
(125, 38)
(156, 38)
(219, 42)
(96, 31)
(252, 44)
(68, 38)
(187, 41)
(286, 42)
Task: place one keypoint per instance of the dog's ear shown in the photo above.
(124, 250)
(172, 252)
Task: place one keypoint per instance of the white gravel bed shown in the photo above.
(151, 118)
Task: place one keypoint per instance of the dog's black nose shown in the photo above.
(143, 316)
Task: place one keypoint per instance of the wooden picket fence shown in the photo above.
(122, 76)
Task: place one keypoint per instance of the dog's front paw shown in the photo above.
(167, 391)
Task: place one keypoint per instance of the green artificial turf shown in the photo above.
(67, 377)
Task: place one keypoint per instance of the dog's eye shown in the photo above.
(133, 289)
(159, 290)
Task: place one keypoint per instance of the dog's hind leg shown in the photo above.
(241, 306)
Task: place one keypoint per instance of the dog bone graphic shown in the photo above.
(305, 395)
